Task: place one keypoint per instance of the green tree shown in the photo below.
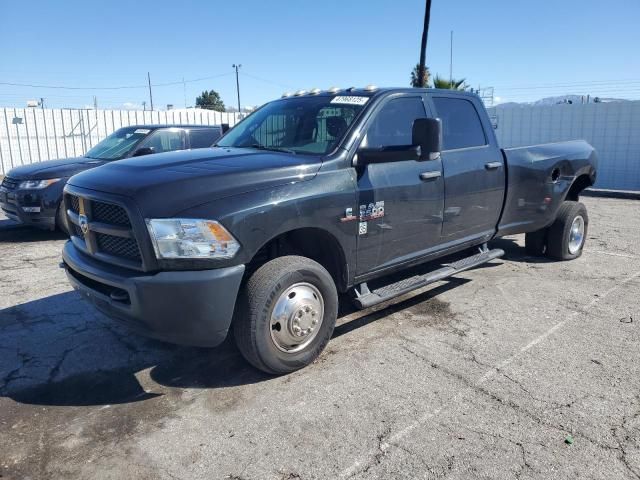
(415, 78)
(453, 84)
(210, 100)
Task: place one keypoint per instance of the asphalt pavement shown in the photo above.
(524, 368)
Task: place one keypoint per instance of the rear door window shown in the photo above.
(203, 137)
(461, 125)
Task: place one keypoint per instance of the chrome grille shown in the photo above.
(117, 242)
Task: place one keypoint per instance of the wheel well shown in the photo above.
(579, 184)
(314, 243)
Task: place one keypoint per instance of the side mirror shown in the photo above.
(143, 151)
(225, 127)
(427, 133)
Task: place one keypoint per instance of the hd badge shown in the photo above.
(366, 212)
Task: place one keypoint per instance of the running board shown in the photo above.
(366, 298)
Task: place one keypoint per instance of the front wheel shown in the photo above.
(286, 314)
(568, 232)
(61, 220)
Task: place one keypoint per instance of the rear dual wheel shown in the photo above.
(564, 239)
(286, 314)
(568, 232)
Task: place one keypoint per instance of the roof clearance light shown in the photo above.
(300, 92)
(333, 90)
(370, 88)
(314, 91)
(286, 94)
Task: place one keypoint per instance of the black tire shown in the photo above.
(560, 231)
(535, 243)
(61, 220)
(257, 299)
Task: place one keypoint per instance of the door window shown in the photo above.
(393, 123)
(461, 126)
(203, 137)
(165, 140)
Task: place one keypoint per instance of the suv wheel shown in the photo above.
(61, 220)
(568, 232)
(286, 314)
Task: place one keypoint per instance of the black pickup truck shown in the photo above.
(311, 195)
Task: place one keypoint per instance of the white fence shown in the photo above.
(29, 135)
(612, 128)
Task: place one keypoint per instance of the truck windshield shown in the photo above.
(306, 125)
(118, 144)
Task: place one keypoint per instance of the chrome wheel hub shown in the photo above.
(576, 236)
(296, 317)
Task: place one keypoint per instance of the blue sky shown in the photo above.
(526, 50)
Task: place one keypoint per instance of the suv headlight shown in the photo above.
(37, 184)
(191, 238)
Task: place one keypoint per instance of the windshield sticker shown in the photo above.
(350, 100)
(142, 130)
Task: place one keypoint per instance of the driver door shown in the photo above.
(400, 203)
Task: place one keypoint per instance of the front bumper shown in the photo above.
(184, 307)
(13, 202)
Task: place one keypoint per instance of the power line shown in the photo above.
(120, 87)
(569, 84)
(255, 77)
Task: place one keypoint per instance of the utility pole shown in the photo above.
(42, 103)
(144, 106)
(237, 83)
(150, 95)
(95, 102)
(451, 60)
(184, 91)
(422, 81)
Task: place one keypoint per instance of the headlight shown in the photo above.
(191, 238)
(37, 184)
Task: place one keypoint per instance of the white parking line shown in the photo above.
(353, 469)
(614, 254)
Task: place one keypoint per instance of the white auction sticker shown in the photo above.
(142, 130)
(350, 100)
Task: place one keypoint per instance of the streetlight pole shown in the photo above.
(237, 83)
(423, 47)
(451, 60)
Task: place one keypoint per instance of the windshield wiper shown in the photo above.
(272, 149)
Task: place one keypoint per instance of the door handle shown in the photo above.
(492, 165)
(430, 175)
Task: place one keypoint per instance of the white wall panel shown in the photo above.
(612, 128)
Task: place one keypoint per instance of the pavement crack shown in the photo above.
(53, 373)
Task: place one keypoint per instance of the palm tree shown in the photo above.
(415, 78)
(452, 84)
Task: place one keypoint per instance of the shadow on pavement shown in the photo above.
(515, 253)
(21, 233)
(60, 351)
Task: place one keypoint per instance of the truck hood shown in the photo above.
(54, 168)
(184, 179)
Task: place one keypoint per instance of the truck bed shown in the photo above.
(539, 178)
